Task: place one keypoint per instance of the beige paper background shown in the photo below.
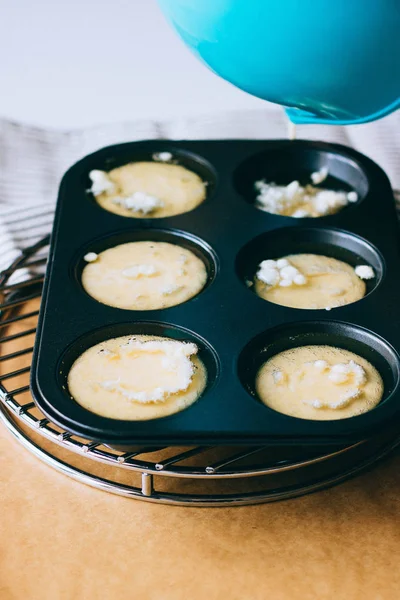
(62, 540)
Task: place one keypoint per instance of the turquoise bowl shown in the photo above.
(327, 61)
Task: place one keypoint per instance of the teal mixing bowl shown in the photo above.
(328, 61)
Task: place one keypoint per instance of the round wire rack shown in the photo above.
(195, 476)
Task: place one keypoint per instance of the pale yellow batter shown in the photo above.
(129, 378)
(320, 383)
(329, 283)
(144, 275)
(173, 188)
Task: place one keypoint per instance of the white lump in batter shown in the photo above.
(144, 276)
(308, 281)
(148, 189)
(295, 200)
(137, 377)
(319, 383)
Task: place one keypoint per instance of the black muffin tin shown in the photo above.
(235, 330)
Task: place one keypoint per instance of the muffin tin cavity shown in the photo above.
(290, 161)
(158, 160)
(333, 243)
(179, 238)
(360, 341)
(206, 353)
(67, 410)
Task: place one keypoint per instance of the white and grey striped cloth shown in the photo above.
(32, 160)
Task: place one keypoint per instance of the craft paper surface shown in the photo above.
(62, 540)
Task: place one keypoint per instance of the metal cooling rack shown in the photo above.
(211, 476)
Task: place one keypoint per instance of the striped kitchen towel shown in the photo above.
(33, 160)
